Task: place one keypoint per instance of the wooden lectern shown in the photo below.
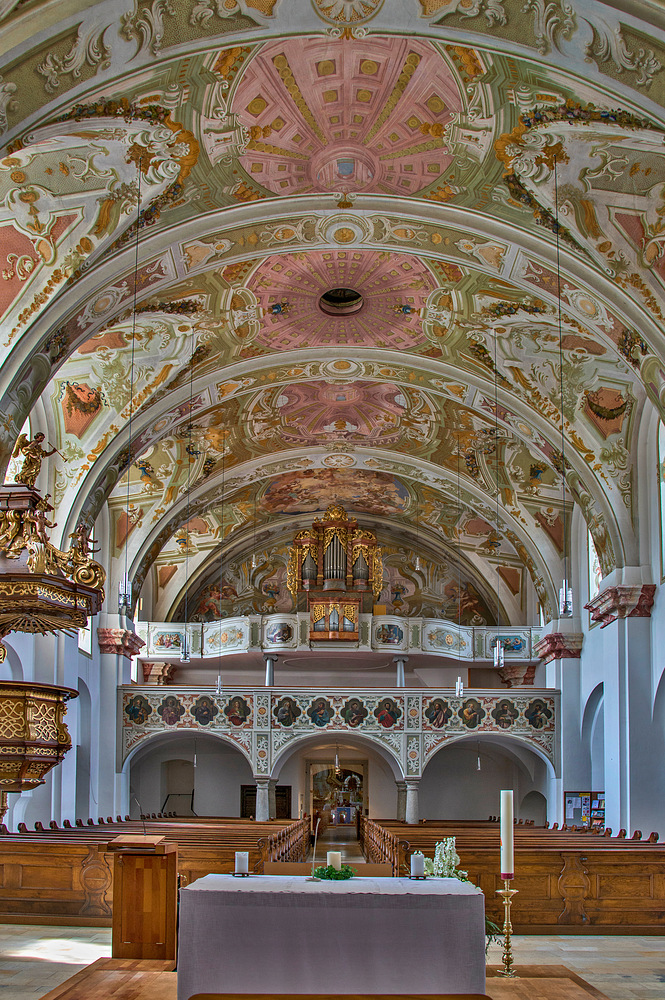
(145, 897)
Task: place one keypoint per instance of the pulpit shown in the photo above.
(145, 897)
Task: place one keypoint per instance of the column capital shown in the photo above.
(412, 782)
(270, 656)
(559, 646)
(400, 659)
(400, 783)
(622, 601)
(120, 641)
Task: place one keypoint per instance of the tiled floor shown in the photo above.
(623, 968)
(34, 960)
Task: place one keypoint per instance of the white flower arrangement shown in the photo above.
(446, 860)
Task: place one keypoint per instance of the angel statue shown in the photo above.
(33, 456)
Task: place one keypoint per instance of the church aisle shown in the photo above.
(339, 838)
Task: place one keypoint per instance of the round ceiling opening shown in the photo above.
(341, 302)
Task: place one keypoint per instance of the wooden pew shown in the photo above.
(567, 882)
(64, 875)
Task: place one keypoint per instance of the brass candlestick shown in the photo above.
(507, 894)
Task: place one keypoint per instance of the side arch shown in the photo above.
(300, 743)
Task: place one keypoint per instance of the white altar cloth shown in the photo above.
(283, 934)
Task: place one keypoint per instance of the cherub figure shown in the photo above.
(33, 456)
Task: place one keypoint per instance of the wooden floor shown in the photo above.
(131, 979)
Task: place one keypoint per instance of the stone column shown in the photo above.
(412, 812)
(401, 800)
(118, 643)
(632, 771)
(270, 659)
(560, 651)
(400, 661)
(262, 800)
(272, 800)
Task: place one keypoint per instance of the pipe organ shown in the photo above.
(335, 555)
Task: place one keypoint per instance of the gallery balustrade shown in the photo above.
(410, 725)
(293, 632)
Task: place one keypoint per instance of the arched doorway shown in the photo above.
(335, 775)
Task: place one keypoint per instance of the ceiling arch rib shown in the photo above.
(433, 380)
(446, 568)
(143, 549)
(475, 274)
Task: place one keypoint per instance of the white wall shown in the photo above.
(220, 771)
(452, 788)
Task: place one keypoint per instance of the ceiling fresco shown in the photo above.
(394, 289)
(330, 117)
(479, 185)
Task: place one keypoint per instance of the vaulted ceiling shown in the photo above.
(485, 179)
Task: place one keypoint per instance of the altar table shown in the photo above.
(283, 934)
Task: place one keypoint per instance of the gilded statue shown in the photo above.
(33, 456)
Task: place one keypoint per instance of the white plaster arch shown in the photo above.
(161, 739)
(313, 742)
(516, 745)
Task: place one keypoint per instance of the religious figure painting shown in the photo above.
(354, 712)
(313, 489)
(438, 713)
(504, 713)
(471, 713)
(286, 711)
(320, 712)
(138, 709)
(204, 710)
(387, 712)
(390, 634)
(513, 643)
(171, 710)
(538, 714)
(166, 640)
(279, 632)
(237, 711)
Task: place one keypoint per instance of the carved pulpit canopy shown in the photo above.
(335, 554)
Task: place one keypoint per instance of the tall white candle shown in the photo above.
(417, 864)
(334, 858)
(242, 863)
(507, 850)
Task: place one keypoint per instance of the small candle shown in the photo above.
(507, 852)
(417, 865)
(334, 858)
(242, 863)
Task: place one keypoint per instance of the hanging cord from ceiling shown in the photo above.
(185, 651)
(565, 593)
(498, 645)
(125, 587)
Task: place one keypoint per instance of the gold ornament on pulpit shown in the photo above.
(33, 734)
(42, 588)
(33, 456)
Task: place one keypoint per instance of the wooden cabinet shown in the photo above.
(145, 898)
